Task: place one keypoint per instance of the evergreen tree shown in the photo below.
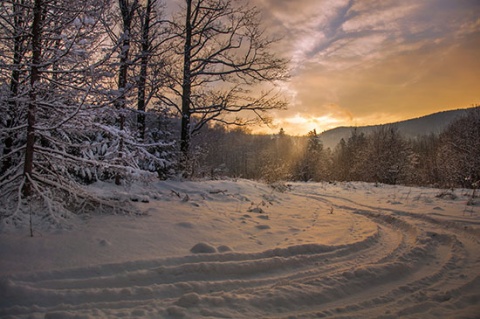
(311, 165)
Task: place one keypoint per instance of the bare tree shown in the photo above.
(127, 10)
(146, 48)
(226, 56)
(13, 38)
(458, 156)
(58, 97)
(387, 158)
(151, 60)
(32, 105)
(136, 34)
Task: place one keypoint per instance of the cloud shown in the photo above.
(377, 60)
(308, 25)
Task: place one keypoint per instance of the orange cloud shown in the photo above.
(377, 61)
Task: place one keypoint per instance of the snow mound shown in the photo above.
(203, 248)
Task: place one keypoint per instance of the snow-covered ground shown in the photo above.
(242, 249)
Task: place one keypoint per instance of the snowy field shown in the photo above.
(242, 249)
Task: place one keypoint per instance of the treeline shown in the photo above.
(449, 159)
(109, 89)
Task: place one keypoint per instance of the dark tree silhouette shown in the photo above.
(225, 56)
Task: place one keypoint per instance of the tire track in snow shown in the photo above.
(412, 266)
(448, 275)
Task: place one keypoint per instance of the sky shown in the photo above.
(365, 62)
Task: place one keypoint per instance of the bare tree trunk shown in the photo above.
(223, 42)
(145, 54)
(32, 106)
(127, 16)
(18, 39)
(186, 86)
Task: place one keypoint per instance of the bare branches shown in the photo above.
(58, 84)
(226, 59)
(84, 77)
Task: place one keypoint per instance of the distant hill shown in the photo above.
(425, 125)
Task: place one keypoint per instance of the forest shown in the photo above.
(104, 90)
(446, 160)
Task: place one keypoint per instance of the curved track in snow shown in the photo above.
(411, 266)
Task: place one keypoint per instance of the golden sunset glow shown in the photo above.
(301, 125)
(374, 62)
(305, 123)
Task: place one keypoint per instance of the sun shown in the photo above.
(300, 124)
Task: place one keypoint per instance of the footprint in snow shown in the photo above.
(104, 242)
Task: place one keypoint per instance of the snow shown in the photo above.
(243, 249)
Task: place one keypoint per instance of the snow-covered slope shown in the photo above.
(242, 249)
